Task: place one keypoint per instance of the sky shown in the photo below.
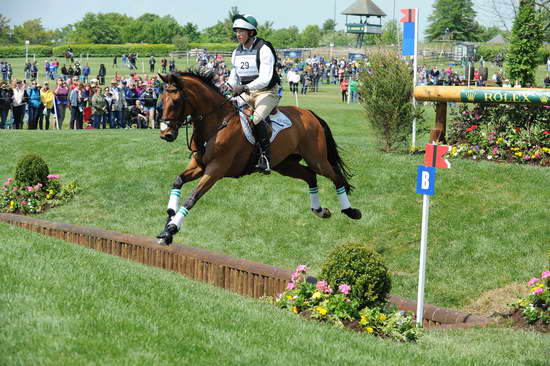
(283, 13)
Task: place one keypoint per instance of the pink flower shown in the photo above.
(24, 203)
(6, 183)
(545, 274)
(30, 188)
(495, 150)
(532, 281)
(291, 286)
(53, 176)
(302, 268)
(14, 188)
(37, 187)
(538, 291)
(527, 157)
(294, 276)
(323, 287)
(344, 289)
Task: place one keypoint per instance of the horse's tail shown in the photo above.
(334, 157)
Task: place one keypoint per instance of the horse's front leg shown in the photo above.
(192, 172)
(206, 182)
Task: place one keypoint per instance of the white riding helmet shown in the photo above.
(245, 21)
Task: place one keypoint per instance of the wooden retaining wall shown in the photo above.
(241, 276)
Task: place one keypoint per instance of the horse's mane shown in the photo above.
(206, 77)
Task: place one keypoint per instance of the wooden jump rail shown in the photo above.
(465, 94)
(237, 275)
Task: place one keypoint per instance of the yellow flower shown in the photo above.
(519, 154)
(295, 309)
(470, 152)
(316, 296)
(370, 330)
(515, 149)
(499, 140)
(363, 321)
(289, 297)
(453, 151)
(321, 310)
(546, 149)
(382, 317)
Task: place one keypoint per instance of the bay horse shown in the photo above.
(220, 149)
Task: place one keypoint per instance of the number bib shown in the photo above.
(246, 66)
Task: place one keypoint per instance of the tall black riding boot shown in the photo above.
(261, 134)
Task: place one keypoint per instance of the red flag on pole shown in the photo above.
(409, 15)
(434, 156)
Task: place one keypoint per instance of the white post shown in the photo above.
(422, 267)
(55, 113)
(296, 95)
(142, 67)
(27, 51)
(349, 91)
(415, 67)
(469, 67)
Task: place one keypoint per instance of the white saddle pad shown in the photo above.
(279, 122)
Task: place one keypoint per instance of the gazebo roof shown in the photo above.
(365, 8)
(498, 39)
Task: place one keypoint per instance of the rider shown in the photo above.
(254, 76)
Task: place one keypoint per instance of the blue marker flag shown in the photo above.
(425, 180)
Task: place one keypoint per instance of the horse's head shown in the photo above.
(173, 110)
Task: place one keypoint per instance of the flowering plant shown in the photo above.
(34, 199)
(320, 301)
(536, 306)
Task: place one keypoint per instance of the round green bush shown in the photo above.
(31, 170)
(360, 267)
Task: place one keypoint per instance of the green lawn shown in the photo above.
(488, 229)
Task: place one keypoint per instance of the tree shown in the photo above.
(329, 25)
(92, 28)
(286, 37)
(389, 32)
(265, 30)
(311, 36)
(215, 33)
(487, 33)
(33, 31)
(6, 34)
(454, 18)
(527, 34)
(191, 31)
(181, 42)
(506, 11)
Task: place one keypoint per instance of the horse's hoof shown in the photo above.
(323, 213)
(166, 236)
(352, 213)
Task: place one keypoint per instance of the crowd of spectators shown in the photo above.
(130, 101)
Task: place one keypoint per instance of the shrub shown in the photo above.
(19, 51)
(31, 170)
(386, 90)
(361, 268)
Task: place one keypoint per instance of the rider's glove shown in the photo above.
(238, 90)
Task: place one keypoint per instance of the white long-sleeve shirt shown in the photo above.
(267, 66)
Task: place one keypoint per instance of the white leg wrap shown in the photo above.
(179, 217)
(174, 201)
(343, 198)
(314, 196)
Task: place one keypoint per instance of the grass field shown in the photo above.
(62, 304)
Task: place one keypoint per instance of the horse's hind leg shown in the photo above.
(325, 169)
(291, 167)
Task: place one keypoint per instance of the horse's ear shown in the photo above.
(178, 81)
(165, 78)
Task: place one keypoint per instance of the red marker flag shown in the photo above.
(434, 156)
(409, 15)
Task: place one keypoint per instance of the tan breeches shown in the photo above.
(263, 102)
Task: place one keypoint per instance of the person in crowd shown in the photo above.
(34, 71)
(149, 102)
(75, 101)
(172, 65)
(85, 73)
(354, 89)
(344, 90)
(130, 98)
(35, 105)
(137, 115)
(118, 106)
(77, 72)
(547, 81)
(109, 113)
(61, 100)
(6, 102)
(163, 64)
(152, 62)
(99, 108)
(101, 74)
(47, 99)
(70, 71)
(115, 62)
(19, 103)
(305, 80)
(86, 102)
(64, 72)
(293, 78)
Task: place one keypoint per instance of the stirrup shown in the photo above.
(263, 168)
